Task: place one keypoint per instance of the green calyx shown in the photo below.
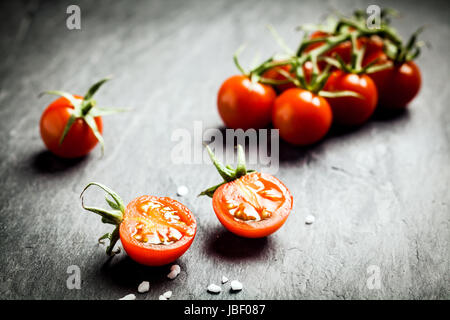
(113, 216)
(338, 29)
(87, 110)
(227, 173)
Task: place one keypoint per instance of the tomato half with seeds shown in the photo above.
(253, 206)
(245, 104)
(154, 231)
(350, 110)
(249, 204)
(302, 117)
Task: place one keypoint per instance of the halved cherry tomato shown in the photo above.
(156, 231)
(351, 110)
(302, 117)
(397, 86)
(249, 204)
(80, 139)
(244, 104)
(253, 206)
(153, 230)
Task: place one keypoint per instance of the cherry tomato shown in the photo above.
(397, 86)
(156, 231)
(153, 230)
(80, 139)
(352, 110)
(373, 44)
(244, 104)
(344, 49)
(253, 206)
(274, 74)
(301, 116)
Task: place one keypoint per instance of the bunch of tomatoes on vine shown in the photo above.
(340, 73)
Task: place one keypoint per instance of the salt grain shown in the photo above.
(182, 191)
(224, 279)
(176, 268)
(172, 274)
(236, 285)
(129, 297)
(167, 294)
(213, 288)
(144, 287)
(310, 219)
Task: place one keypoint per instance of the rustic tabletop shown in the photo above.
(380, 194)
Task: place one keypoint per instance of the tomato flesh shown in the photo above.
(80, 139)
(156, 231)
(253, 206)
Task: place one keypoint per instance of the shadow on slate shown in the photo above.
(47, 162)
(123, 272)
(224, 244)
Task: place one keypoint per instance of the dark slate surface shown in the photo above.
(380, 194)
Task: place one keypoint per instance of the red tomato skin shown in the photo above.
(243, 104)
(372, 45)
(302, 117)
(352, 111)
(275, 75)
(155, 255)
(344, 49)
(251, 229)
(397, 86)
(80, 139)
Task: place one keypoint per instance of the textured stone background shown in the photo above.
(380, 194)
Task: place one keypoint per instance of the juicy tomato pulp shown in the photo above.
(352, 111)
(244, 104)
(80, 139)
(302, 117)
(156, 231)
(253, 206)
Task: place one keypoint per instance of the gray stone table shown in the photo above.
(380, 194)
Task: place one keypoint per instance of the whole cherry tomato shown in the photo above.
(344, 49)
(302, 117)
(351, 110)
(71, 126)
(397, 86)
(79, 140)
(154, 231)
(244, 104)
(249, 204)
(274, 74)
(373, 44)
